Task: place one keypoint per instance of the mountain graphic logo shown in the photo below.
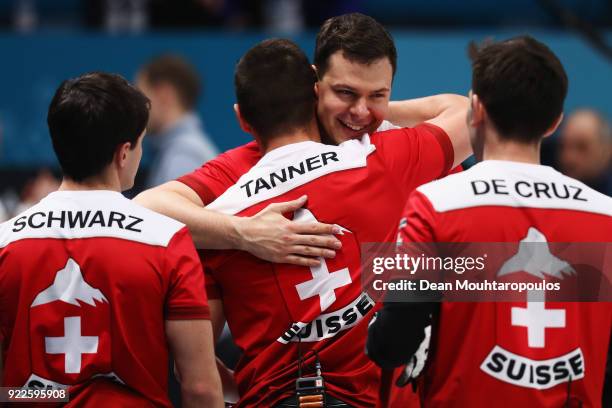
(70, 287)
(535, 258)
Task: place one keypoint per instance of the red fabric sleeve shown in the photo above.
(186, 297)
(213, 291)
(207, 258)
(99, 392)
(415, 155)
(217, 175)
(418, 220)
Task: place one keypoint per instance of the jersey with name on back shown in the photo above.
(87, 279)
(360, 186)
(513, 353)
(217, 175)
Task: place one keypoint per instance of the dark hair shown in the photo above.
(178, 73)
(89, 117)
(274, 85)
(522, 85)
(360, 38)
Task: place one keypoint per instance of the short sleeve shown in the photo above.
(418, 220)
(217, 175)
(415, 155)
(210, 180)
(186, 298)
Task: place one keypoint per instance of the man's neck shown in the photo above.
(94, 183)
(510, 150)
(301, 135)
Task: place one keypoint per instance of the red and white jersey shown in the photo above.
(87, 279)
(217, 175)
(361, 186)
(519, 354)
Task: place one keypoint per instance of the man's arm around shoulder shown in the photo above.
(176, 200)
(447, 111)
(267, 235)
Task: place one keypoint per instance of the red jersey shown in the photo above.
(87, 279)
(360, 186)
(217, 175)
(513, 354)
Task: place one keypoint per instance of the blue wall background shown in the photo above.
(32, 66)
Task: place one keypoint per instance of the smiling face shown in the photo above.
(353, 98)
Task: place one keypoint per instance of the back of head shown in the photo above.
(179, 74)
(522, 85)
(359, 37)
(89, 117)
(274, 84)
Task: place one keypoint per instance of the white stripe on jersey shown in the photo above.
(88, 214)
(514, 184)
(288, 167)
(386, 125)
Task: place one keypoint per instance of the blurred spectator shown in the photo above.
(283, 15)
(25, 15)
(3, 213)
(585, 149)
(36, 189)
(22, 189)
(118, 15)
(174, 130)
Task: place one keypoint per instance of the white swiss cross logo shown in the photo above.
(537, 319)
(73, 345)
(69, 287)
(324, 282)
(534, 257)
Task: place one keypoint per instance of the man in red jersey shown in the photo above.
(277, 310)
(356, 59)
(95, 286)
(531, 353)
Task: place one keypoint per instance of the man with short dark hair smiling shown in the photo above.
(277, 311)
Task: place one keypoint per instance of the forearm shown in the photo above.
(228, 383)
(191, 344)
(267, 235)
(411, 112)
(209, 229)
(195, 396)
